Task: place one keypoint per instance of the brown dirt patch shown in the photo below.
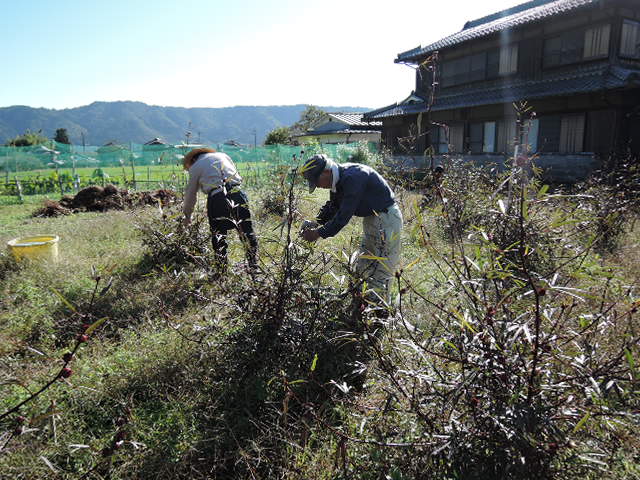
(99, 199)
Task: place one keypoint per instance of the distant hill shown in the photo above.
(138, 122)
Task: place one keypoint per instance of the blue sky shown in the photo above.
(210, 53)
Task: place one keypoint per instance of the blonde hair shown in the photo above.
(191, 157)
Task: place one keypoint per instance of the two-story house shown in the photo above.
(576, 63)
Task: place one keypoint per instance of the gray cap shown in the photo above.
(312, 170)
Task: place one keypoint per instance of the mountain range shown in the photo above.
(136, 122)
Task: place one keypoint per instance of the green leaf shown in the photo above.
(451, 345)
(543, 191)
(95, 325)
(581, 423)
(314, 363)
(631, 362)
(64, 300)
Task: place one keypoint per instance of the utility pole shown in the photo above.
(255, 141)
(188, 133)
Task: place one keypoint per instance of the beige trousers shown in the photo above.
(380, 251)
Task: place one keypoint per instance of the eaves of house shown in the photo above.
(585, 79)
(520, 15)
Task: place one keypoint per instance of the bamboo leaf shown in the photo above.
(95, 325)
(581, 423)
(373, 257)
(64, 300)
(415, 262)
(49, 464)
(631, 362)
(543, 191)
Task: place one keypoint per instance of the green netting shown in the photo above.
(60, 167)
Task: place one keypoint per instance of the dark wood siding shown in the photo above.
(600, 131)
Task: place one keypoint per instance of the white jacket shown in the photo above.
(210, 171)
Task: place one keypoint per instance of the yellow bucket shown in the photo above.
(38, 247)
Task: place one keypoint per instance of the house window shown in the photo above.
(493, 63)
(456, 138)
(630, 41)
(489, 137)
(455, 72)
(477, 67)
(508, 59)
(572, 133)
(596, 41)
(441, 140)
(564, 49)
(549, 134)
(505, 138)
(476, 137)
(564, 134)
(530, 135)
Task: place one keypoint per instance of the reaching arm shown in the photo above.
(353, 191)
(328, 211)
(191, 193)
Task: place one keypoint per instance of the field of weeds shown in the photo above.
(510, 349)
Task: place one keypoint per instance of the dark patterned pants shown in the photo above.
(227, 212)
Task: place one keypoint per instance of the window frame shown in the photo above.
(448, 80)
(608, 49)
(620, 52)
(580, 32)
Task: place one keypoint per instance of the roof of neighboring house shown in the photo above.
(352, 119)
(314, 133)
(589, 78)
(519, 15)
(156, 141)
(110, 146)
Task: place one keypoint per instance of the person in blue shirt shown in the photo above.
(358, 190)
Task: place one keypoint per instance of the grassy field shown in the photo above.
(509, 351)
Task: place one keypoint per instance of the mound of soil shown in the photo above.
(99, 199)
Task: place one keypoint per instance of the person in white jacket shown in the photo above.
(215, 174)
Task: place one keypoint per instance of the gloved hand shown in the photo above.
(307, 225)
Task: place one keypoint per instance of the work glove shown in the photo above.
(308, 224)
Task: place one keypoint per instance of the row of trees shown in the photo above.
(30, 139)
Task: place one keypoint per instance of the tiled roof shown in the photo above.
(352, 119)
(585, 80)
(397, 110)
(156, 141)
(529, 12)
(333, 132)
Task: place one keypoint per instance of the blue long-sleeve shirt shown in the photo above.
(360, 191)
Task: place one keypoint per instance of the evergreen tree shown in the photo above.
(309, 118)
(62, 136)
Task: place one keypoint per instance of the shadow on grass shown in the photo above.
(251, 397)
